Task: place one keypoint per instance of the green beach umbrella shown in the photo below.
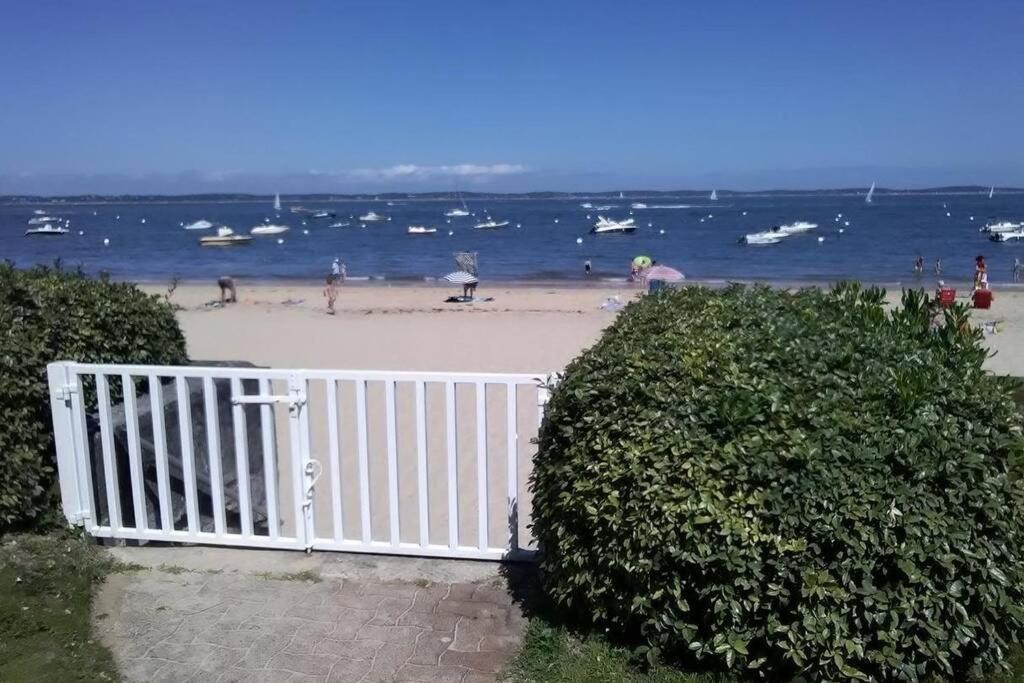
(642, 261)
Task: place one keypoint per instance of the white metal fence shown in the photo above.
(409, 463)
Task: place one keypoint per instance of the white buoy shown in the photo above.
(840, 215)
(846, 223)
(519, 225)
(181, 223)
(579, 240)
(362, 225)
(451, 232)
(650, 224)
(81, 232)
(94, 213)
(280, 240)
(588, 216)
(117, 218)
(972, 218)
(449, 221)
(821, 239)
(144, 220)
(840, 231)
(305, 232)
(947, 214)
(630, 213)
(711, 215)
(389, 217)
(701, 220)
(836, 219)
(556, 220)
(661, 232)
(106, 241)
(744, 213)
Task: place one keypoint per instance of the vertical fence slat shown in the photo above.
(512, 464)
(163, 482)
(451, 441)
(364, 465)
(107, 446)
(213, 453)
(187, 454)
(131, 418)
(82, 450)
(334, 453)
(481, 465)
(295, 459)
(392, 446)
(269, 448)
(421, 464)
(309, 475)
(240, 429)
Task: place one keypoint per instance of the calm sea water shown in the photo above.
(879, 244)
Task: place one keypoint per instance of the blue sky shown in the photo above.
(193, 96)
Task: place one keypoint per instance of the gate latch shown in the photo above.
(66, 392)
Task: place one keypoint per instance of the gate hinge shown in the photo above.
(66, 392)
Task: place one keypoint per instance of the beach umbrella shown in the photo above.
(642, 261)
(663, 273)
(461, 277)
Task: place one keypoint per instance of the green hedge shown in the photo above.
(788, 484)
(51, 314)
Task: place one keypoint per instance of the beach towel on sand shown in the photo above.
(466, 299)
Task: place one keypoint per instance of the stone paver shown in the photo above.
(204, 626)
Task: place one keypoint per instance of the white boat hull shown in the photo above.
(269, 230)
(46, 232)
(491, 225)
(229, 241)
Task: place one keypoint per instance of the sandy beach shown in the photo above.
(524, 329)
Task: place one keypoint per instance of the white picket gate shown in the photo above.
(408, 463)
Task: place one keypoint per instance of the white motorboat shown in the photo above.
(39, 212)
(420, 230)
(339, 224)
(870, 194)
(605, 207)
(1001, 226)
(638, 205)
(761, 238)
(372, 217)
(225, 237)
(269, 229)
(322, 214)
(201, 224)
(603, 226)
(42, 219)
(587, 205)
(714, 195)
(46, 230)
(491, 224)
(458, 211)
(277, 202)
(1013, 236)
(796, 228)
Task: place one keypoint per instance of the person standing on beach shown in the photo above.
(587, 268)
(919, 265)
(980, 273)
(1018, 268)
(938, 267)
(336, 269)
(331, 293)
(228, 295)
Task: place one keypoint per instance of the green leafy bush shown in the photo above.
(48, 315)
(788, 484)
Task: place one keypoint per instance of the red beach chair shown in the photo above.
(982, 298)
(946, 296)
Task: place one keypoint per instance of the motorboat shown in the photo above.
(796, 228)
(372, 217)
(604, 226)
(772, 236)
(201, 224)
(42, 219)
(604, 207)
(339, 224)
(269, 229)
(587, 205)
(225, 237)
(322, 214)
(638, 205)
(1001, 226)
(39, 212)
(46, 230)
(1014, 236)
(458, 211)
(420, 230)
(491, 224)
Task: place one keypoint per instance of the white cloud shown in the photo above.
(458, 170)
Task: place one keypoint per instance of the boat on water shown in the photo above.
(39, 212)
(1001, 226)
(604, 207)
(668, 206)
(796, 228)
(201, 224)
(870, 194)
(458, 210)
(46, 230)
(420, 230)
(638, 205)
(714, 195)
(300, 210)
(1010, 236)
(491, 224)
(604, 226)
(42, 219)
(372, 217)
(991, 191)
(322, 214)
(339, 224)
(587, 205)
(269, 229)
(764, 237)
(277, 202)
(225, 237)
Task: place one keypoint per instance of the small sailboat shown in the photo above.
(991, 191)
(870, 194)
(458, 211)
(269, 229)
(225, 237)
(277, 202)
(604, 226)
(420, 230)
(46, 230)
(714, 195)
(621, 196)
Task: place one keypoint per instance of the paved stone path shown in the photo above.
(173, 625)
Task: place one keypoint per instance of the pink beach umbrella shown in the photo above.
(663, 273)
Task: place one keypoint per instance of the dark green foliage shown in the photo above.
(788, 484)
(48, 315)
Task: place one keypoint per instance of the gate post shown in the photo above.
(62, 386)
(307, 469)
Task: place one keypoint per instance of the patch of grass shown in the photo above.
(552, 654)
(305, 575)
(46, 585)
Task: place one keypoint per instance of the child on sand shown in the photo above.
(331, 292)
